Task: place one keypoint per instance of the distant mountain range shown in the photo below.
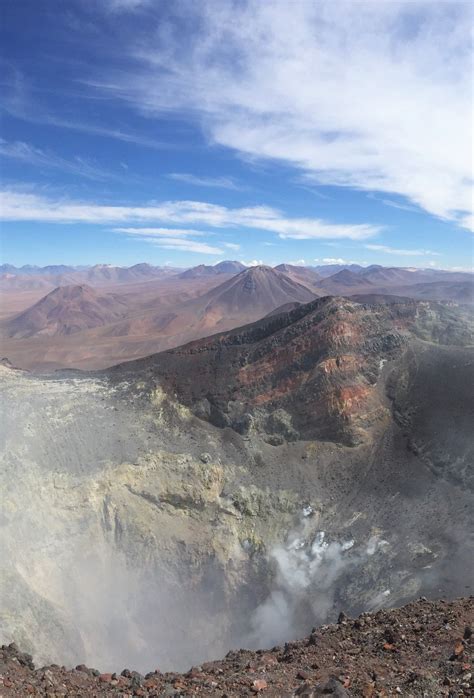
(108, 272)
(95, 316)
(238, 299)
(57, 269)
(28, 277)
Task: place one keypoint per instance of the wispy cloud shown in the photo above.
(124, 5)
(206, 182)
(17, 150)
(402, 207)
(231, 246)
(161, 232)
(185, 245)
(172, 239)
(25, 206)
(403, 253)
(374, 96)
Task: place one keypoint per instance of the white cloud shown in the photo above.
(403, 253)
(25, 206)
(298, 263)
(371, 95)
(337, 260)
(231, 245)
(213, 182)
(332, 260)
(253, 263)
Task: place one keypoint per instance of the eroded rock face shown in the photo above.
(137, 532)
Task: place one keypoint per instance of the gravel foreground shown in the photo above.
(422, 649)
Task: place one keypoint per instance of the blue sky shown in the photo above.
(185, 133)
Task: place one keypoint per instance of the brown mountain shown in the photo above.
(105, 274)
(391, 276)
(344, 282)
(64, 311)
(116, 327)
(225, 267)
(243, 298)
(98, 275)
(255, 291)
(302, 275)
(461, 292)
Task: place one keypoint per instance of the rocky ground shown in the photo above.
(422, 649)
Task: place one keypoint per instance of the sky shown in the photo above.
(183, 133)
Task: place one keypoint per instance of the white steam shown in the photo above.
(310, 570)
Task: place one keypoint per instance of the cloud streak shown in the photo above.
(403, 253)
(206, 182)
(24, 152)
(181, 239)
(20, 101)
(161, 232)
(183, 245)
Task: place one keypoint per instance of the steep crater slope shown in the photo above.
(137, 532)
